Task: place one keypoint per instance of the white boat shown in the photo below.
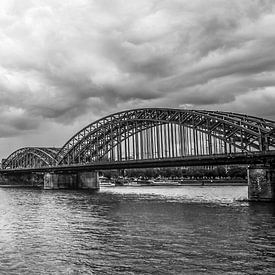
(105, 182)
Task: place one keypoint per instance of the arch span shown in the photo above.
(154, 133)
(30, 157)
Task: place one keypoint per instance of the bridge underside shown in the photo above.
(213, 160)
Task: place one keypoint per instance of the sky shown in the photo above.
(64, 64)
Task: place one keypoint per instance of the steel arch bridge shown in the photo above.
(31, 157)
(166, 133)
(155, 134)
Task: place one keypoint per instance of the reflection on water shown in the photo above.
(225, 194)
(135, 231)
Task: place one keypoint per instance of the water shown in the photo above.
(135, 230)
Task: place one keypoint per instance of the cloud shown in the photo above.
(69, 62)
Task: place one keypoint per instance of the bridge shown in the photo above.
(158, 137)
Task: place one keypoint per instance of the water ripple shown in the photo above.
(135, 231)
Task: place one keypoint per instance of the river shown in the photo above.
(136, 230)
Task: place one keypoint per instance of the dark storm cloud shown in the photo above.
(15, 121)
(63, 62)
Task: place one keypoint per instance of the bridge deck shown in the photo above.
(220, 159)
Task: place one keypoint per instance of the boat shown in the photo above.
(105, 182)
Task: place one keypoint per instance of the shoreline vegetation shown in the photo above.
(178, 176)
(104, 182)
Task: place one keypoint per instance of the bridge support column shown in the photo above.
(60, 181)
(261, 183)
(51, 181)
(80, 180)
(88, 180)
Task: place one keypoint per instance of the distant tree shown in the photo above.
(149, 173)
(209, 173)
(220, 172)
(184, 173)
(165, 172)
(110, 173)
(178, 172)
(131, 173)
(237, 172)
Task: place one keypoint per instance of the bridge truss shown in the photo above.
(31, 157)
(155, 133)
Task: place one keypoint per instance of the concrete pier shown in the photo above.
(261, 183)
(88, 180)
(80, 180)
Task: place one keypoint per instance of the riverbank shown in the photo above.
(201, 184)
(144, 184)
(188, 182)
(215, 182)
(19, 186)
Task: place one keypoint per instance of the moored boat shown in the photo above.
(105, 182)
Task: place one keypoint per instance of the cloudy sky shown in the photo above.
(64, 64)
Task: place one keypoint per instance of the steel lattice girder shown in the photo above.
(23, 156)
(237, 129)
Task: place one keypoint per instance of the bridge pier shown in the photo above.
(79, 180)
(261, 183)
(88, 180)
(60, 181)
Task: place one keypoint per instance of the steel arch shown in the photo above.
(30, 157)
(231, 131)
